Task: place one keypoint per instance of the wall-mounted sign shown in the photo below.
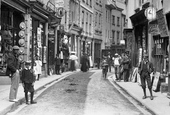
(50, 7)
(44, 54)
(59, 3)
(162, 24)
(150, 13)
(153, 28)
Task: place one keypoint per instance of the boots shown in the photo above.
(26, 97)
(151, 96)
(38, 77)
(144, 91)
(32, 95)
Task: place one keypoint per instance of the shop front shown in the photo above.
(39, 34)
(12, 31)
(97, 51)
(140, 36)
(54, 35)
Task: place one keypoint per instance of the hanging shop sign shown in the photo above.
(162, 24)
(50, 7)
(122, 42)
(150, 13)
(60, 12)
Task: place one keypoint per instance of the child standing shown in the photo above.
(28, 78)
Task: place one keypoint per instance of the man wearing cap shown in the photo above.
(145, 69)
(116, 62)
(13, 72)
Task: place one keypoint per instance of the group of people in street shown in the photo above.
(123, 68)
(72, 63)
(121, 64)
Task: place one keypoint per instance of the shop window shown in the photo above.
(9, 34)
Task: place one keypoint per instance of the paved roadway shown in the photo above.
(81, 94)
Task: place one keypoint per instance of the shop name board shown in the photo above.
(162, 25)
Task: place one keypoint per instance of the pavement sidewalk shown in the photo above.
(160, 105)
(6, 106)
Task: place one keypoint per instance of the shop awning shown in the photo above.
(138, 18)
(39, 12)
(20, 5)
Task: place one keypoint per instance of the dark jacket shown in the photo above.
(125, 63)
(12, 64)
(27, 76)
(150, 68)
(57, 61)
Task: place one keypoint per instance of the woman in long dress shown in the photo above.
(38, 67)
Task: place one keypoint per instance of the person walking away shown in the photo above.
(13, 65)
(145, 69)
(73, 59)
(38, 63)
(109, 61)
(126, 68)
(116, 63)
(84, 63)
(28, 79)
(57, 64)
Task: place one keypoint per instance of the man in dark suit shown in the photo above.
(13, 72)
(145, 69)
(57, 64)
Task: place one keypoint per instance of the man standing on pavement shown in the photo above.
(116, 62)
(126, 68)
(57, 64)
(145, 69)
(109, 61)
(13, 72)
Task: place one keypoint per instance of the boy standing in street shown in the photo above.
(28, 78)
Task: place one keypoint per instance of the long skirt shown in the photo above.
(72, 65)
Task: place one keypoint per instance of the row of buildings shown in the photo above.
(44, 28)
(148, 32)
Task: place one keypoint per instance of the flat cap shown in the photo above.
(15, 48)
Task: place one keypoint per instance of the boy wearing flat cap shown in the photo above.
(28, 78)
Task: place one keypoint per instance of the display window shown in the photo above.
(10, 33)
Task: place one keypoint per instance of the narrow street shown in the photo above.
(82, 94)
